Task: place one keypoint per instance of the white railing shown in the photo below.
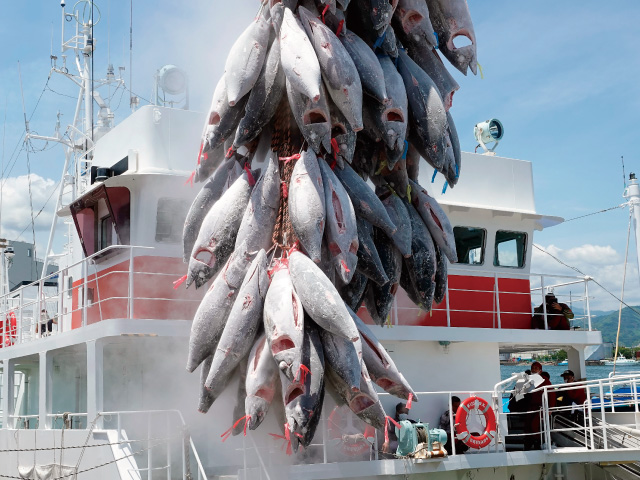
(572, 290)
(595, 424)
(596, 433)
(165, 434)
(72, 304)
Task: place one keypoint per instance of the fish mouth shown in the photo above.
(293, 392)
(410, 20)
(360, 403)
(453, 45)
(338, 129)
(385, 383)
(214, 118)
(204, 256)
(314, 116)
(282, 344)
(393, 115)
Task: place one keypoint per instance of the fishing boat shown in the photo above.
(105, 395)
(621, 360)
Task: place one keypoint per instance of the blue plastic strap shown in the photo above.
(444, 189)
(435, 172)
(380, 40)
(406, 149)
(435, 34)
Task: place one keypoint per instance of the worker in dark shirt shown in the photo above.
(566, 398)
(558, 314)
(401, 414)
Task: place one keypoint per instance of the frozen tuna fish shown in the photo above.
(353, 292)
(211, 316)
(338, 70)
(441, 276)
(260, 385)
(209, 194)
(304, 396)
(345, 358)
(371, 75)
(428, 59)
(363, 402)
(218, 232)
(242, 324)
(436, 221)
(341, 229)
(263, 99)
(412, 18)
(380, 366)
(246, 58)
(427, 113)
(365, 202)
(344, 136)
(379, 298)
(422, 262)
(256, 228)
(451, 19)
(284, 322)
(369, 263)
(299, 60)
(313, 118)
(307, 204)
(223, 118)
(320, 298)
(400, 217)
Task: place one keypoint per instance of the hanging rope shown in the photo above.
(624, 276)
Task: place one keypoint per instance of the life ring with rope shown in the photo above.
(462, 416)
(341, 423)
(11, 329)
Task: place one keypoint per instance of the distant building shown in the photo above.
(25, 267)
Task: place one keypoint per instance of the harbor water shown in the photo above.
(594, 372)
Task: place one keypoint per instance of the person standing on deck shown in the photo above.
(558, 314)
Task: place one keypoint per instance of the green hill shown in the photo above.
(629, 329)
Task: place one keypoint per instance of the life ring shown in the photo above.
(462, 430)
(11, 329)
(341, 422)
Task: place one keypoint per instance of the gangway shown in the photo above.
(573, 435)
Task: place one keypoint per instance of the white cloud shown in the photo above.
(16, 207)
(603, 263)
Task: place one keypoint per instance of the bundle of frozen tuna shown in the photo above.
(336, 111)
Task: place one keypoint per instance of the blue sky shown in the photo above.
(561, 76)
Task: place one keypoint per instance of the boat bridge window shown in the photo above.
(170, 218)
(470, 242)
(510, 249)
(102, 218)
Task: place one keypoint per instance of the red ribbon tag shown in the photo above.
(288, 159)
(409, 401)
(250, 178)
(227, 433)
(303, 371)
(191, 177)
(179, 282)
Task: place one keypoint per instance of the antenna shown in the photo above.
(624, 176)
(4, 133)
(131, 54)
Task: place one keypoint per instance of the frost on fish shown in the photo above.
(333, 218)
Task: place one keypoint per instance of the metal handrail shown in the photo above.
(192, 448)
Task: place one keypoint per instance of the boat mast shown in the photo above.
(632, 194)
(78, 139)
